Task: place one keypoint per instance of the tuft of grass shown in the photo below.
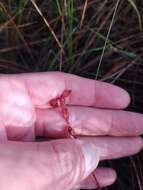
(69, 31)
(47, 24)
(133, 4)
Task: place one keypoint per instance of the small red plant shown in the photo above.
(60, 103)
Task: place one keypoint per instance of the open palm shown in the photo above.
(95, 114)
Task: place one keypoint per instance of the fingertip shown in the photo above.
(110, 96)
(133, 145)
(123, 98)
(142, 142)
(139, 143)
(106, 176)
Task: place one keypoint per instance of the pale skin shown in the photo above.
(104, 130)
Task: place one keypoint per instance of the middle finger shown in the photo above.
(89, 122)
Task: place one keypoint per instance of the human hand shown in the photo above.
(61, 164)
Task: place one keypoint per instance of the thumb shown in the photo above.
(71, 162)
(53, 165)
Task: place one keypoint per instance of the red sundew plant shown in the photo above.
(60, 103)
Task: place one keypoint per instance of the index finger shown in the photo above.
(43, 87)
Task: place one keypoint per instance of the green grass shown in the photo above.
(69, 15)
(133, 4)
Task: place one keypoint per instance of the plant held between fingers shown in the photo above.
(60, 103)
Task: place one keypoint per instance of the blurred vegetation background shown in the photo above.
(92, 38)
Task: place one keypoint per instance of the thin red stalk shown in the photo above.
(60, 103)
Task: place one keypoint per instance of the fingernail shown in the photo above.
(91, 155)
